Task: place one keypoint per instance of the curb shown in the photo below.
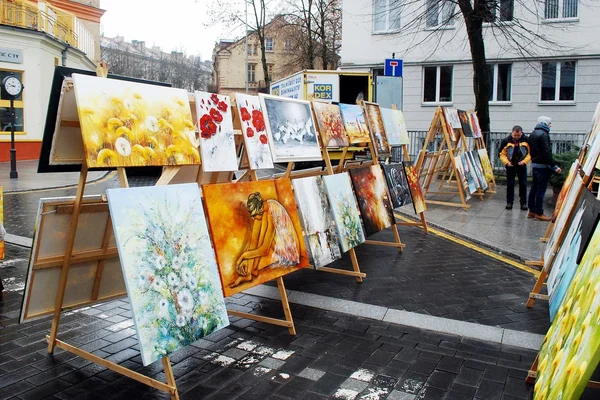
(106, 176)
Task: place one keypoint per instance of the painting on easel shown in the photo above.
(320, 233)
(465, 123)
(469, 173)
(475, 125)
(377, 129)
(478, 168)
(331, 124)
(373, 198)
(395, 127)
(169, 266)
(398, 185)
(254, 131)
(415, 187)
(256, 232)
(355, 124)
(484, 159)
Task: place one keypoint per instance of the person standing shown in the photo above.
(515, 155)
(542, 165)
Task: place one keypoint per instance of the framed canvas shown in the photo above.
(565, 188)
(395, 127)
(215, 124)
(593, 153)
(377, 129)
(318, 227)
(254, 131)
(345, 210)
(256, 232)
(354, 121)
(462, 177)
(465, 123)
(169, 266)
(478, 168)
(415, 187)
(488, 170)
(129, 124)
(475, 125)
(373, 198)
(290, 128)
(397, 184)
(452, 117)
(331, 124)
(469, 173)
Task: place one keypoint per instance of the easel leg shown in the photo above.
(536, 288)
(424, 223)
(355, 265)
(286, 306)
(532, 373)
(397, 237)
(166, 362)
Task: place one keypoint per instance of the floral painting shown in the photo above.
(129, 124)
(169, 266)
(462, 177)
(373, 198)
(570, 350)
(215, 124)
(345, 210)
(395, 127)
(397, 184)
(484, 159)
(254, 131)
(415, 187)
(331, 124)
(377, 129)
(320, 234)
(290, 128)
(354, 121)
(256, 232)
(465, 122)
(475, 125)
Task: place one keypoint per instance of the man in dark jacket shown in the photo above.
(514, 154)
(542, 166)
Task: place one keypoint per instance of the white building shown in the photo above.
(560, 80)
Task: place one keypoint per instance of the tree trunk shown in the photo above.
(323, 21)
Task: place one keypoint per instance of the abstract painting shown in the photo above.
(475, 125)
(484, 159)
(354, 121)
(129, 124)
(395, 127)
(469, 173)
(571, 349)
(397, 184)
(565, 188)
(373, 198)
(465, 123)
(478, 168)
(320, 234)
(415, 187)
(377, 129)
(256, 232)
(254, 131)
(290, 128)
(169, 266)
(345, 210)
(462, 177)
(573, 244)
(215, 124)
(331, 124)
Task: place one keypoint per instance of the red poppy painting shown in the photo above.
(253, 126)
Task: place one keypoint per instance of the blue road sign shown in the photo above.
(393, 67)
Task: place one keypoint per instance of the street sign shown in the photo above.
(393, 67)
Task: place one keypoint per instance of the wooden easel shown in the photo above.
(532, 375)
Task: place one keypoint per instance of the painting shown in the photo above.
(462, 177)
(571, 349)
(452, 117)
(478, 168)
(320, 234)
(565, 188)
(373, 198)
(395, 127)
(397, 184)
(572, 246)
(331, 124)
(354, 121)
(254, 131)
(415, 187)
(377, 129)
(469, 174)
(215, 124)
(465, 122)
(129, 124)
(256, 232)
(345, 210)
(488, 170)
(593, 153)
(169, 266)
(290, 129)
(475, 125)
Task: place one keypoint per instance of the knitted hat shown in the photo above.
(544, 120)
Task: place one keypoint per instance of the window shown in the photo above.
(386, 15)
(5, 117)
(558, 81)
(255, 52)
(251, 72)
(500, 10)
(439, 13)
(437, 84)
(287, 45)
(269, 44)
(500, 82)
(556, 9)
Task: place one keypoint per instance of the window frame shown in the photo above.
(251, 68)
(19, 104)
(438, 74)
(387, 29)
(494, 87)
(561, 13)
(497, 13)
(451, 22)
(557, 100)
(272, 47)
(288, 46)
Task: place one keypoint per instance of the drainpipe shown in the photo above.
(64, 55)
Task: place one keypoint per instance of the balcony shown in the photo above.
(55, 22)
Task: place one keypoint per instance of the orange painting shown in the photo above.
(415, 187)
(256, 232)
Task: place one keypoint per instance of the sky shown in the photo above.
(170, 24)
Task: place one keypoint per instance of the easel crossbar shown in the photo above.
(382, 243)
(343, 272)
(261, 318)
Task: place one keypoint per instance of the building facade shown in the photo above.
(35, 36)
(544, 58)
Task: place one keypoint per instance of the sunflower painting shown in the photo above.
(373, 198)
(256, 232)
(395, 127)
(377, 129)
(254, 131)
(354, 121)
(331, 124)
(169, 266)
(129, 124)
(415, 187)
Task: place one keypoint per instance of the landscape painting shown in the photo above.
(354, 121)
(331, 124)
(465, 123)
(373, 198)
(397, 184)
(320, 233)
(345, 210)
(130, 124)
(377, 129)
(169, 266)
(254, 131)
(415, 187)
(256, 232)
(395, 127)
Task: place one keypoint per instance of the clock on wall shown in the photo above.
(12, 85)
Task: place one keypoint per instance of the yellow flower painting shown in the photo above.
(129, 124)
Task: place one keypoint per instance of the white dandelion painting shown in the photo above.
(169, 266)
